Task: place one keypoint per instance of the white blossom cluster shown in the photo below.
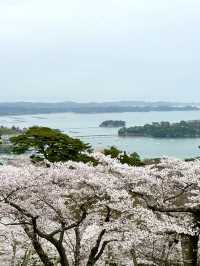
(79, 214)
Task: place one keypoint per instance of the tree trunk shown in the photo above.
(61, 251)
(77, 247)
(189, 249)
(37, 247)
(43, 257)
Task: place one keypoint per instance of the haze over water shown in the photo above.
(86, 127)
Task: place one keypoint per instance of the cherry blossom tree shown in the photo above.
(79, 214)
(67, 211)
(169, 191)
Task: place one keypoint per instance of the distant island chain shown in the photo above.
(21, 108)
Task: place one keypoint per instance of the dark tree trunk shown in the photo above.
(38, 248)
(43, 257)
(94, 253)
(61, 251)
(91, 263)
(189, 249)
(77, 247)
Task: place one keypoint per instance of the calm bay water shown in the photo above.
(86, 126)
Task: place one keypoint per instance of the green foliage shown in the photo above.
(132, 159)
(183, 129)
(113, 123)
(112, 151)
(52, 145)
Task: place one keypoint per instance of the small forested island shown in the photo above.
(183, 129)
(113, 123)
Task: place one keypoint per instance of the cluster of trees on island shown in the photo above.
(183, 129)
(70, 206)
(113, 123)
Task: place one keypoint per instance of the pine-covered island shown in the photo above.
(182, 129)
(113, 123)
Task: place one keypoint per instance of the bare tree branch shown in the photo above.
(179, 194)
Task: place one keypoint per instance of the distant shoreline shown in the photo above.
(17, 109)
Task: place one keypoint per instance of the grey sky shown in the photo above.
(89, 50)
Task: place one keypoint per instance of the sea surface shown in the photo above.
(86, 127)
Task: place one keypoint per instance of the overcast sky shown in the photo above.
(98, 50)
